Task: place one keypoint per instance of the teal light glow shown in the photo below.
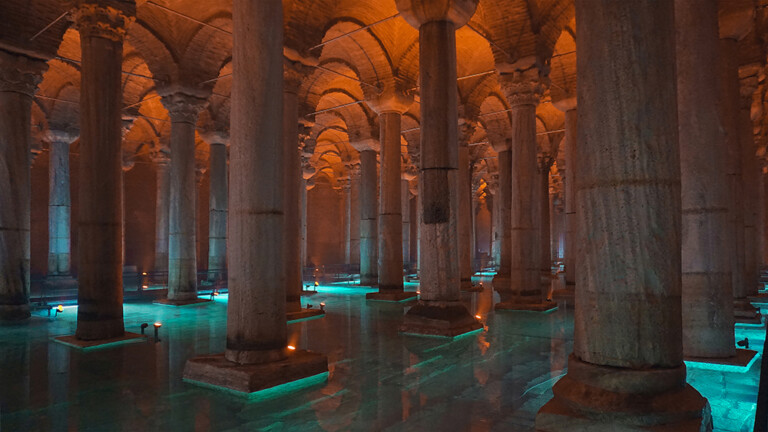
(104, 345)
(268, 393)
(306, 319)
(722, 367)
(452, 338)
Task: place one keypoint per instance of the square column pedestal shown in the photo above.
(447, 320)
(91, 345)
(304, 314)
(391, 296)
(185, 302)
(250, 380)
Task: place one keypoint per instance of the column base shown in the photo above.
(13, 313)
(304, 314)
(88, 345)
(599, 398)
(467, 286)
(745, 313)
(60, 282)
(391, 296)
(526, 306)
(99, 330)
(739, 363)
(444, 319)
(214, 371)
(184, 302)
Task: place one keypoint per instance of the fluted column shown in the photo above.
(162, 206)
(217, 207)
(627, 370)
(19, 77)
(368, 219)
(183, 109)
(439, 311)
(59, 204)
(523, 89)
(100, 207)
(707, 306)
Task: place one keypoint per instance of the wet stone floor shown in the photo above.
(378, 380)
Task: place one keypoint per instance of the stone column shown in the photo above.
(19, 77)
(523, 89)
(390, 107)
(707, 305)
(405, 194)
(368, 219)
(162, 207)
(501, 203)
(256, 356)
(750, 179)
(439, 310)
(307, 184)
(183, 108)
(354, 212)
(217, 208)
(464, 188)
(59, 204)
(346, 209)
(493, 190)
(100, 208)
(545, 220)
(571, 149)
(627, 370)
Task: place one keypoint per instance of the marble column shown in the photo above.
(390, 107)
(405, 194)
(256, 355)
(100, 208)
(162, 207)
(627, 370)
(19, 77)
(292, 185)
(439, 310)
(523, 90)
(183, 108)
(59, 204)
(730, 105)
(368, 219)
(707, 305)
(217, 208)
(502, 200)
(464, 188)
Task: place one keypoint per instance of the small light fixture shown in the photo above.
(478, 317)
(143, 326)
(59, 309)
(144, 273)
(317, 284)
(322, 306)
(291, 347)
(144, 286)
(157, 328)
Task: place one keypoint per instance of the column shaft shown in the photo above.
(256, 320)
(464, 188)
(354, 223)
(292, 184)
(59, 210)
(390, 223)
(347, 214)
(707, 304)
(571, 247)
(750, 183)
(368, 219)
(217, 208)
(502, 202)
(162, 207)
(405, 197)
(545, 233)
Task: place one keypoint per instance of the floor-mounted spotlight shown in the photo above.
(144, 326)
(157, 329)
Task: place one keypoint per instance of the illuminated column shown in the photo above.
(183, 108)
(307, 184)
(523, 89)
(354, 211)
(100, 208)
(346, 187)
(707, 305)
(162, 198)
(502, 200)
(405, 194)
(493, 190)
(368, 217)
(627, 370)
(464, 188)
(571, 248)
(439, 310)
(59, 204)
(19, 77)
(390, 107)
(256, 356)
(545, 220)
(217, 206)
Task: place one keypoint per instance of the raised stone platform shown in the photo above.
(740, 363)
(544, 307)
(304, 314)
(180, 303)
(469, 287)
(88, 345)
(391, 296)
(214, 371)
(443, 321)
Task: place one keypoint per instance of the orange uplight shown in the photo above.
(144, 274)
(215, 293)
(479, 317)
(60, 308)
(145, 286)
(291, 347)
(158, 325)
(317, 283)
(322, 304)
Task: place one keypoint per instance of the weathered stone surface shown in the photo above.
(446, 319)
(369, 249)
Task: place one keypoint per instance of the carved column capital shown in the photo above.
(294, 73)
(20, 74)
(94, 20)
(524, 87)
(182, 107)
(161, 159)
(466, 130)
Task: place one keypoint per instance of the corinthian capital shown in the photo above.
(20, 74)
(524, 87)
(96, 20)
(183, 108)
